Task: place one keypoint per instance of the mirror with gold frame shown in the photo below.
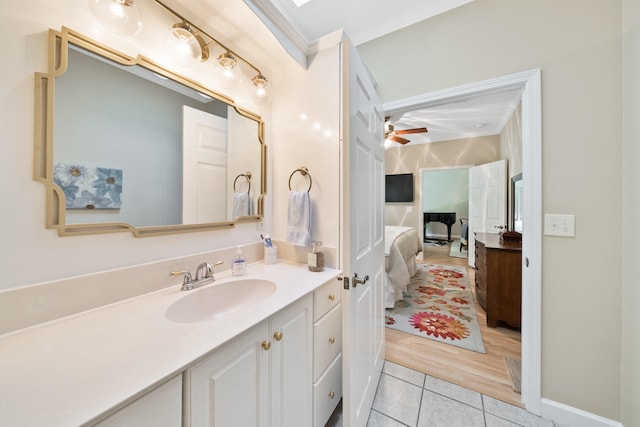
(123, 144)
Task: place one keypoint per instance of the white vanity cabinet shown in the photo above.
(260, 378)
(161, 407)
(327, 350)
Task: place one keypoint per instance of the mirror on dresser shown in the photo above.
(122, 144)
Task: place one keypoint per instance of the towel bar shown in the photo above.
(304, 172)
(247, 177)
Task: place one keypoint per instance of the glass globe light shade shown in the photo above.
(185, 48)
(261, 92)
(227, 71)
(121, 17)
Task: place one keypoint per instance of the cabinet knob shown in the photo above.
(331, 395)
(332, 340)
(266, 345)
(332, 297)
(278, 336)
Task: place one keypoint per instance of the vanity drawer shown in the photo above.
(326, 297)
(327, 340)
(327, 392)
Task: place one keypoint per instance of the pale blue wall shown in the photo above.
(445, 190)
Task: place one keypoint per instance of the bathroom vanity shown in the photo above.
(276, 361)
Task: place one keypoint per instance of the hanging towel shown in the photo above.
(241, 205)
(299, 218)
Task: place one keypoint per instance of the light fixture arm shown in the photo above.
(198, 31)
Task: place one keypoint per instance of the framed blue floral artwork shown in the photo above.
(87, 187)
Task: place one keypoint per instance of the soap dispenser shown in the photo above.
(239, 263)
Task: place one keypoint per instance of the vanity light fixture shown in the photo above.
(261, 92)
(120, 17)
(227, 69)
(226, 64)
(186, 45)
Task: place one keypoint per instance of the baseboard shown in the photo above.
(567, 416)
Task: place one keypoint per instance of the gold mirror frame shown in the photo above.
(43, 148)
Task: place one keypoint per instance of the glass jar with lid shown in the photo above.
(315, 259)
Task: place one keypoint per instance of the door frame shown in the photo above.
(530, 83)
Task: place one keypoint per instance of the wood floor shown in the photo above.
(484, 373)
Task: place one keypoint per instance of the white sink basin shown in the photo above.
(218, 299)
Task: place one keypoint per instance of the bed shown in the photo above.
(402, 244)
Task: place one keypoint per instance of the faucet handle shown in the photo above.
(209, 271)
(187, 280)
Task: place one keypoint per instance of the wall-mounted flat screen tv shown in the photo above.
(399, 187)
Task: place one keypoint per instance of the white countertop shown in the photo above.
(70, 371)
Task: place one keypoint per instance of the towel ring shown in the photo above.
(247, 177)
(304, 172)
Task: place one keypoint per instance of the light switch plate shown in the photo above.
(559, 225)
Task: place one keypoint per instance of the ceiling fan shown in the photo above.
(392, 134)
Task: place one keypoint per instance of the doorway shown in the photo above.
(529, 83)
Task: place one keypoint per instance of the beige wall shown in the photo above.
(577, 45)
(436, 155)
(631, 213)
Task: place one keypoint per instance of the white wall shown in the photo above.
(29, 252)
(308, 135)
(577, 45)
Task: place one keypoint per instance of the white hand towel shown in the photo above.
(241, 204)
(299, 218)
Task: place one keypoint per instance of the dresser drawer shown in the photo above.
(326, 298)
(327, 392)
(327, 340)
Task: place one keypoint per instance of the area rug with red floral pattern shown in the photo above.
(438, 304)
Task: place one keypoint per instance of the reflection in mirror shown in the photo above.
(137, 147)
(516, 203)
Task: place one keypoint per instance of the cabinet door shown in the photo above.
(291, 346)
(161, 407)
(230, 388)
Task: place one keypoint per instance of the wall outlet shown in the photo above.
(559, 225)
(409, 209)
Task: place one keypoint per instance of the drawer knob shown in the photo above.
(332, 340)
(332, 297)
(278, 336)
(331, 395)
(266, 345)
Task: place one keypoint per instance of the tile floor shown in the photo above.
(409, 398)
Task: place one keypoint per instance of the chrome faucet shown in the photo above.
(208, 271)
(189, 283)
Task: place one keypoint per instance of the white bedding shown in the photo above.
(402, 244)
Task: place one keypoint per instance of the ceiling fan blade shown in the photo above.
(408, 131)
(399, 140)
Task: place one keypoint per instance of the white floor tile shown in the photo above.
(440, 411)
(398, 399)
(377, 419)
(493, 421)
(453, 391)
(513, 413)
(404, 373)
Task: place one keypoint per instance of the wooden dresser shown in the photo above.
(499, 279)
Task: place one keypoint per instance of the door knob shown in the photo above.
(266, 345)
(359, 281)
(278, 336)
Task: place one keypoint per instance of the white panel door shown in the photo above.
(204, 167)
(487, 201)
(363, 239)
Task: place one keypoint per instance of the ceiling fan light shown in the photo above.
(121, 17)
